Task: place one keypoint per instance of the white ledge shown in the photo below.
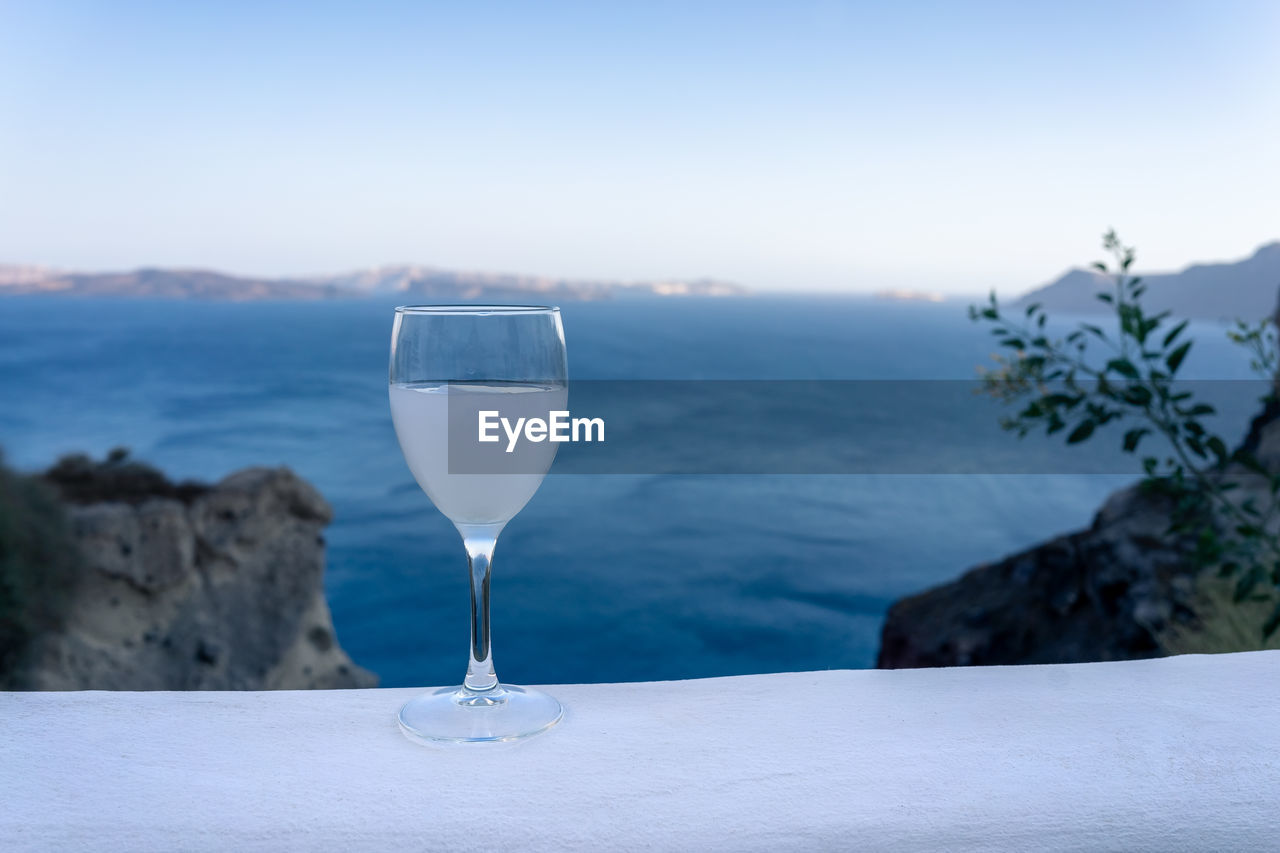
(1162, 755)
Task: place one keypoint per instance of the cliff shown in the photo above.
(188, 587)
(1123, 589)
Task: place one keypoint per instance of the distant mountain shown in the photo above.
(410, 281)
(900, 295)
(20, 274)
(161, 284)
(438, 283)
(1243, 290)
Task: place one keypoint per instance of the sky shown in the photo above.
(824, 145)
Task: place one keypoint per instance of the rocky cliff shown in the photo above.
(1120, 590)
(190, 587)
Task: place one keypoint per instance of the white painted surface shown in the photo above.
(1165, 755)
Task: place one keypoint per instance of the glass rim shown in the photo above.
(478, 310)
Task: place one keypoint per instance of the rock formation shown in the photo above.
(190, 587)
(1122, 589)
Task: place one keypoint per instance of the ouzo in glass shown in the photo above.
(448, 361)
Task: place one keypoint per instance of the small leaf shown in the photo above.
(1173, 333)
(1081, 432)
(1124, 367)
(1132, 437)
(1219, 449)
(1137, 395)
(1175, 358)
(1145, 327)
(1031, 309)
(1106, 297)
(1059, 399)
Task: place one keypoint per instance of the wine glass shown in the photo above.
(448, 364)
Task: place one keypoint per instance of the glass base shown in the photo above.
(457, 715)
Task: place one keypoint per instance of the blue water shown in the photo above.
(600, 578)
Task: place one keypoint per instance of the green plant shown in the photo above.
(1060, 385)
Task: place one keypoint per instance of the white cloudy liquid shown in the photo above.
(421, 417)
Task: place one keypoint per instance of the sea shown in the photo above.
(602, 577)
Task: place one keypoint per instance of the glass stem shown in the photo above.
(480, 544)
